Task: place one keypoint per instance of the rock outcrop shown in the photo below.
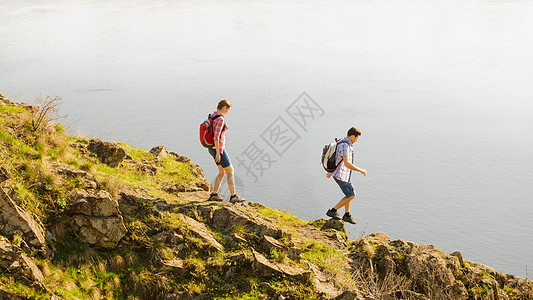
(179, 245)
(14, 261)
(96, 219)
(109, 153)
(14, 220)
(269, 269)
(159, 152)
(200, 231)
(431, 273)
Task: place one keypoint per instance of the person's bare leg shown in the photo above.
(346, 202)
(231, 179)
(219, 178)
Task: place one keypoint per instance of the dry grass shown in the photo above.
(148, 284)
(333, 262)
(47, 113)
(370, 283)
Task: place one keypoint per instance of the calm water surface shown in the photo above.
(441, 90)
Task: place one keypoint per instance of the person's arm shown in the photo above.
(351, 166)
(219, 122)
(217, 156)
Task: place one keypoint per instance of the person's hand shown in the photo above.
(364, 172)
(328, 175)
(217, 157)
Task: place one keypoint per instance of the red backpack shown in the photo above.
(206, 132)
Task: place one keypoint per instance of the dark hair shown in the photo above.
(354, 131)
(223, 103)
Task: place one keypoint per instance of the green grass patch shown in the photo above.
(282, 216)
(318, 223)
(137, 154)
(14, 287)
(330, 260)
(169, 221)
(8, 138)
(7, 109)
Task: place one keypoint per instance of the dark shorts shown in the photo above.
(346, 187)
(224, 158)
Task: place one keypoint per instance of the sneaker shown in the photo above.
(236, 199)
(348, 218)
(332, 214)
(215, 197)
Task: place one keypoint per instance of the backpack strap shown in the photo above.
(340, 142)
(213, 118)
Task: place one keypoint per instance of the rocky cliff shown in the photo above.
(88, 219)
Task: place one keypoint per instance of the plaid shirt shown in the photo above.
(342, 172)
(219, 130)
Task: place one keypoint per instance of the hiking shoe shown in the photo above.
(332, 214)
(215, 197)
(348, 218)
(236, 199)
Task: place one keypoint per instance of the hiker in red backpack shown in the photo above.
(220, 155)
(343, 174)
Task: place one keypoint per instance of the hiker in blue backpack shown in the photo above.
(220, 155)
(342, 174)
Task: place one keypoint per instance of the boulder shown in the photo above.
(14, 261)
(68, 171)
(93, 203)
(270, 269)
(14, 219)
(270, 243)
(109, 153)
(159, 152)
(200, 230)
(336, 224)
(377, 238)
(101, 232)
(96, 219)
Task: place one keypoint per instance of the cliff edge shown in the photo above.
(89, 219)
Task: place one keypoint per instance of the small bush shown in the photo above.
(48, 112)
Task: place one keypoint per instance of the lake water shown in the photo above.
(442, 91)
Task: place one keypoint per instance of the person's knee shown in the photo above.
(229, 170)
(221, 172)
